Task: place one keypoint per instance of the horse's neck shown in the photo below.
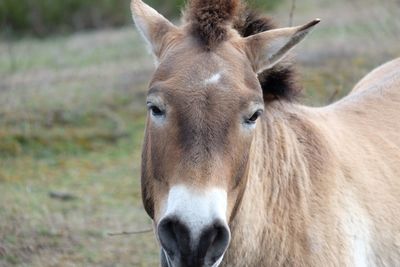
(274, 213)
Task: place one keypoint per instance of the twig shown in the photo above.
(148, 230)
(292, 9)
(334, 95)
(62, 196)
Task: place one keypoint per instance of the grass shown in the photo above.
(41, 231)
(71, 122)
(72, 115)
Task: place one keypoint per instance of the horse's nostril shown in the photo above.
(174, 236)
(198, 248)
(213, 242)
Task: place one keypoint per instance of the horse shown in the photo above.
(235, 172)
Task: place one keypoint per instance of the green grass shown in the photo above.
(103, 176)
(72, 115)
(71, 121)
(77, 51)
(40, 231)
(45, 17)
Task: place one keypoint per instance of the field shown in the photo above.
(72, 114)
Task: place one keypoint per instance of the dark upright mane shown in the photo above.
(209, 20)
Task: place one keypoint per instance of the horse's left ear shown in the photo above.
(151, 24)
(267, 48)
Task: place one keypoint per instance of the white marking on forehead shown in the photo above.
(213, 79)
(196, 209)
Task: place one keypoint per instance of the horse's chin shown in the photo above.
(165, 262)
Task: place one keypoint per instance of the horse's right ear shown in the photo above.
(151, 24)
(265, 49)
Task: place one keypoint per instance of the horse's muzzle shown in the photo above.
(185, 248)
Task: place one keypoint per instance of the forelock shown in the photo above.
(210, 20)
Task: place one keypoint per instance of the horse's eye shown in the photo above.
(156, 111)
(254, 117)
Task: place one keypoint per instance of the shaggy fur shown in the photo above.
(305, 186)
(250, 22)
(317, 183)
(209, 20)
(280, 83)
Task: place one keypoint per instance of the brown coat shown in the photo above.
(328, 190)
(236, 173)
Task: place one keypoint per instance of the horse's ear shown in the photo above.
(267, 48)
(151, 24)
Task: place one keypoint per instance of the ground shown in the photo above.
(72, 114)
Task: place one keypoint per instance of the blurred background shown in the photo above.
(73, 78)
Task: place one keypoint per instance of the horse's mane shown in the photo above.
(209, 22)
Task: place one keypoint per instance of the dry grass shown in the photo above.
(72, 118)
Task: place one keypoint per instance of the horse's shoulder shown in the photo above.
(386, 74)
